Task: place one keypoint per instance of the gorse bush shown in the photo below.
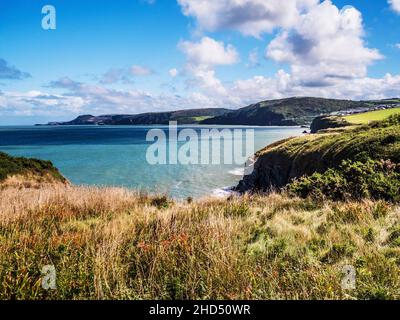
(355, 180)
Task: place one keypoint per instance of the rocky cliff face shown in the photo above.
(328, 122)
(274, 167)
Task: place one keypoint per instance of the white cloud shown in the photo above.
(395, 5)
(202, 57)
(397, 45)
(34, 103)
(208, 52)
(284, 85)
(326, 43)
(250, 17)
(173, 72)
(323, 46)
(83, 98)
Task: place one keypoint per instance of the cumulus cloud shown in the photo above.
(202, 57)
(250, 17)
(326, 44)
(10, 72)
(209, 52)
(395, 5)
(323, 46)
(83, 98)
(34, 103)
(284, 85)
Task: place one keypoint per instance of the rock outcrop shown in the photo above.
(328, 122)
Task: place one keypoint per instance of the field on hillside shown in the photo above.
(118, 244)
(364, 118)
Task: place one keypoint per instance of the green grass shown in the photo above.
(23, 166)
(368, 117)
(279, 163)
(201, 118)
(117, 244)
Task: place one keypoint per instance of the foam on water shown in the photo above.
(223, 192)
(237, 172)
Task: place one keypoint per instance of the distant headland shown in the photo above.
(282, 112)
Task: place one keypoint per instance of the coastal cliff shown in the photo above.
(278, 164)
(328, 122)
(25, 172)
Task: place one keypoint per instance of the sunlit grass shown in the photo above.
(118, 244)
(367, 117)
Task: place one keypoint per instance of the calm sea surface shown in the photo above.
(116, 156)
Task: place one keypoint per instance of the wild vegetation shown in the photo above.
(118, 244)
(108, 243)
(290, 111)
(378, 180)
(279, 163)
(11, 166)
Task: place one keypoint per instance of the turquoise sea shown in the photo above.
(116, 156)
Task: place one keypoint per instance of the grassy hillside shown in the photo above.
(364, 118)
(283, 161)
(116, 244)
(12, 166)
(291, 111)
(190, 116)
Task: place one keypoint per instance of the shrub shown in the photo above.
(13, 165)
(352, 180)
(161, 202)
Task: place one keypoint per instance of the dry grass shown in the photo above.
(118, 244)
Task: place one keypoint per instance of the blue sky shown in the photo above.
(144, 56)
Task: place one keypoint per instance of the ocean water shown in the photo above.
(116, 156)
